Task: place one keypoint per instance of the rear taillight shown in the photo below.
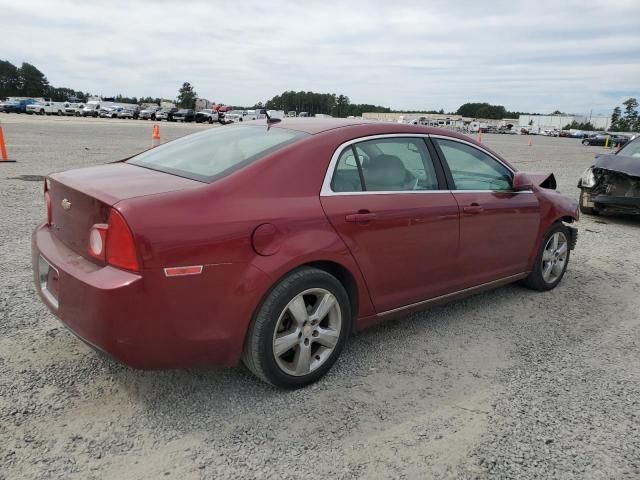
(113, 243)
(121, 251)
(47, 201)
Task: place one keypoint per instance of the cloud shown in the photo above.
(575, 56)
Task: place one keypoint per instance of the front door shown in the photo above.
(498, 227)
(388, 201)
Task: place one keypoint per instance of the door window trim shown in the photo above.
(327, 191)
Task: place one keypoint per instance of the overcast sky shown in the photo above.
(575, 56)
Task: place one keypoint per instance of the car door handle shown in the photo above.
(473, 209)
(360, 217)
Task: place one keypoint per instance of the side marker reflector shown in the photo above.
(181, 271)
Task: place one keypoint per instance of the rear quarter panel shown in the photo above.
(214, 225)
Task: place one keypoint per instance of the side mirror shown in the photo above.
(521, 182)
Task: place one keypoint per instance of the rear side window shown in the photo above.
(215, 153)
(385, 164)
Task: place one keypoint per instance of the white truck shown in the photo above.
(47, 108)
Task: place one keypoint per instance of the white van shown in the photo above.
(91, 109)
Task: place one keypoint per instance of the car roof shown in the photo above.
(315, 126)
(361, 128)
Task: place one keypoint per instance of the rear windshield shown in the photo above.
(215, 153)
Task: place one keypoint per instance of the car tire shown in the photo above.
(583, 209)
(551, 261)
(309, 341)
(585, 142)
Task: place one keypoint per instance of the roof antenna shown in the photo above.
(271, 120)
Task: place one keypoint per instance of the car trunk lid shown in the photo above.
(83, 197)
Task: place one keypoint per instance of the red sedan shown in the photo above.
(271, 243)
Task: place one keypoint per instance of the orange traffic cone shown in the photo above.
(530, 142)
(155, 136)
(3, 148)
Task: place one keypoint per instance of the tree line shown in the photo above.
(336, 105)
(27, 81)
(486, 110)
(627, 120)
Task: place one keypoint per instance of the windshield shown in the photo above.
(631, 149)
(215, 153)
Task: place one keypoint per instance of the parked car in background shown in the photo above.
(18, 106)
(108, 112)
(74, 109)
(234, 116)
(257, 114)
(148, 113)
(280, 114)
(184, 115)
(166, 114)
(36, 108)
(600, 140)
(8, 105)
(612, 183)
(192, 253)
(207, 116)
(123, 112)
(91, 109)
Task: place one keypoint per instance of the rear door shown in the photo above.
(387, 199)
(498, 226)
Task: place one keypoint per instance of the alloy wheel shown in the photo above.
(307, 332)
(554, 257)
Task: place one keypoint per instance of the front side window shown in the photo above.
(472, 169)
(385, 164)
(214, 153)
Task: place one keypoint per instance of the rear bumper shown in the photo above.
(147, 320)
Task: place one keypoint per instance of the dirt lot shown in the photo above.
(507, 384)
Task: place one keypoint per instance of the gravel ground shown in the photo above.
(507, 384)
